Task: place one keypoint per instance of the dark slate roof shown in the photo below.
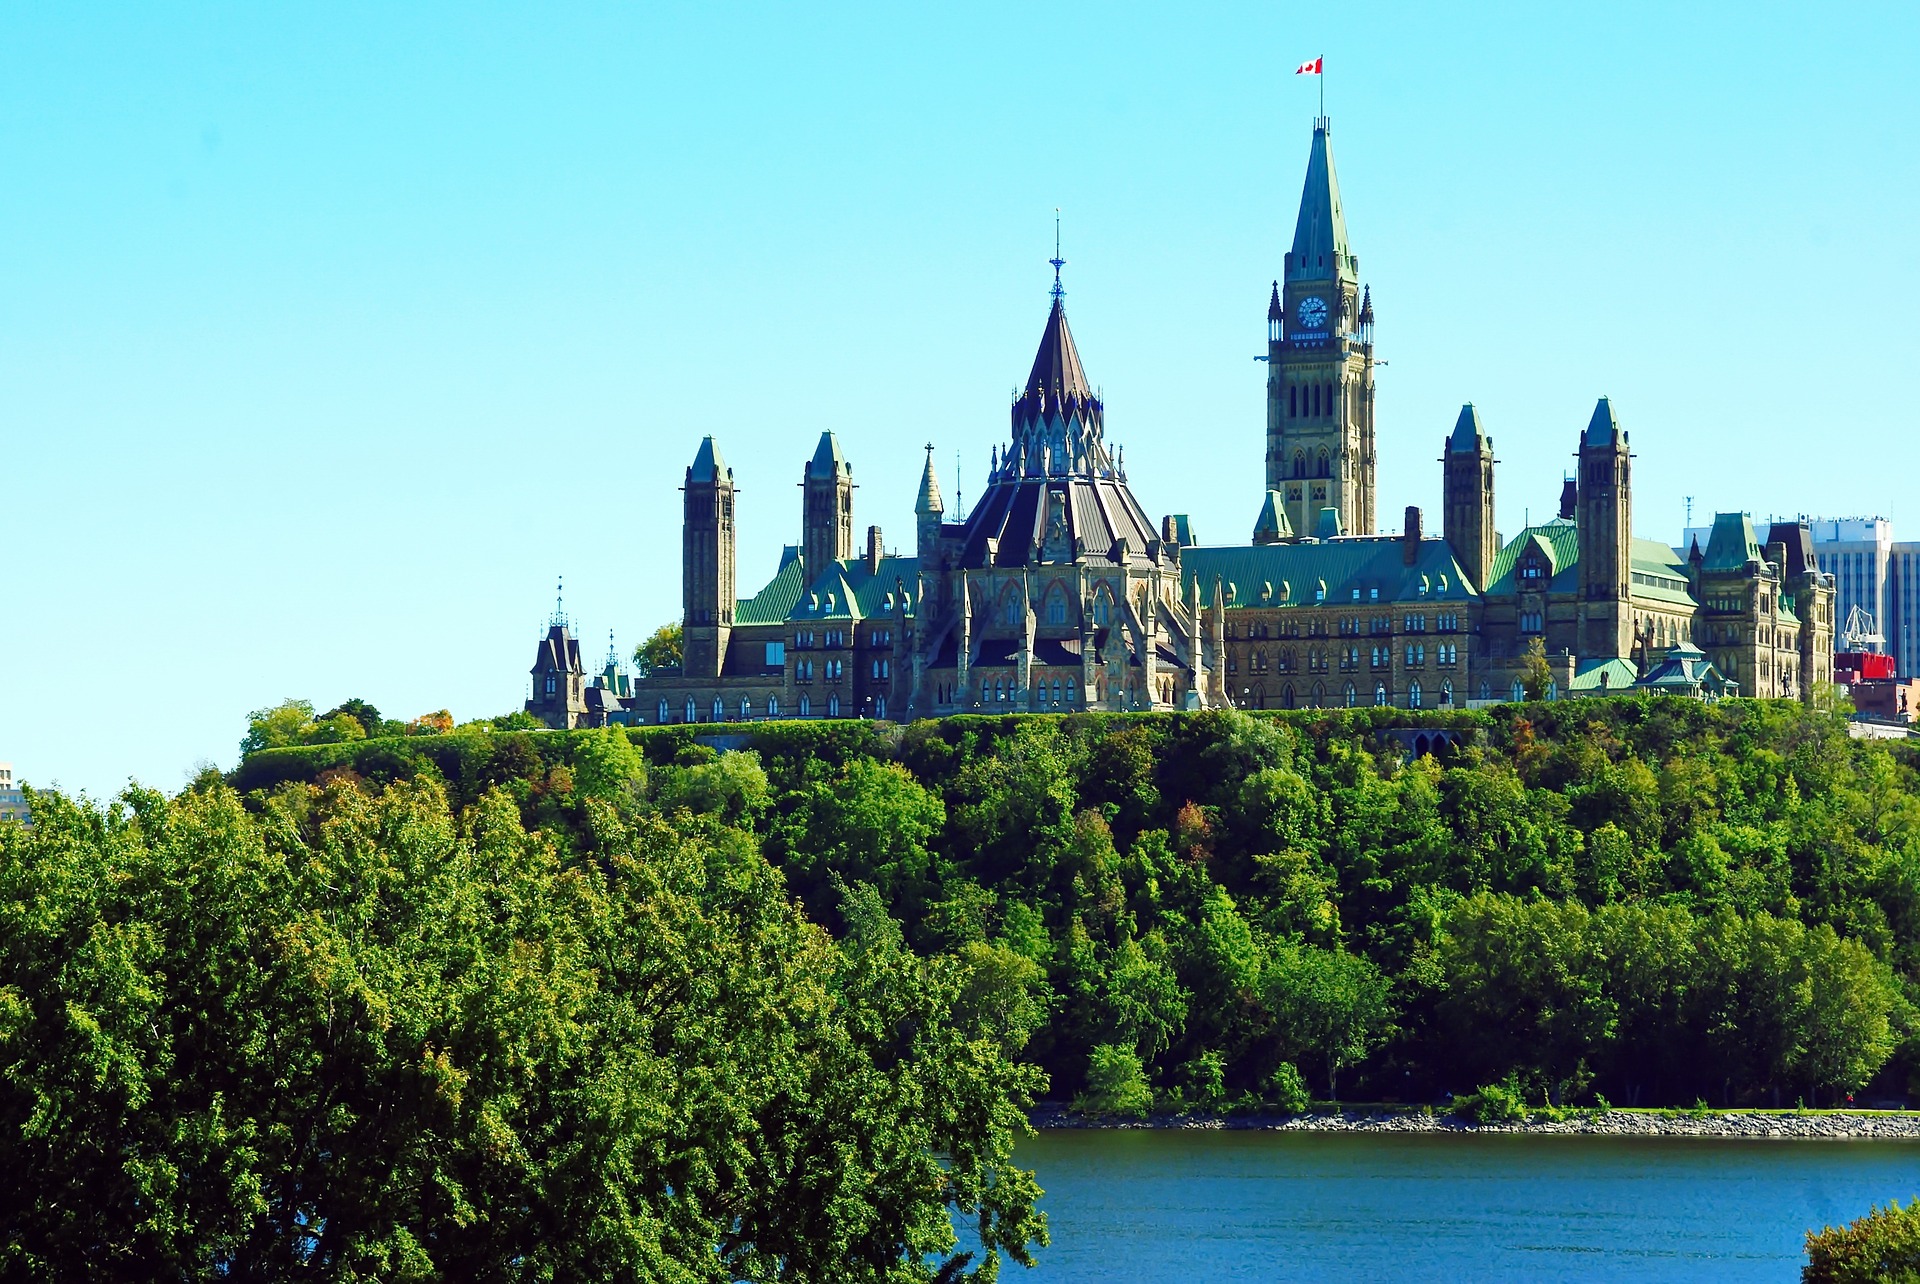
(1101, 512)
(1732, 544)
(1057, 371)
(707, 464)
(1320, 233)
(1282, 575)
(1467, 432)
(1799, 542)
(558, 652)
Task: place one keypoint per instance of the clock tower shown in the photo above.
(1320, 364)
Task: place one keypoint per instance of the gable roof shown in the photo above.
(846, 590)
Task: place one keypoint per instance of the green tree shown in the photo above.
(1536, 674)
(1116, 1083)
(1330, 1003)
(361, 712)
(663, 649)
(1881, 1248)
(350, 1037)
(286, 723)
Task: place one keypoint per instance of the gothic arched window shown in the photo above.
(1380, 696)
(1352, 695)
(806, 705)
(719, 709)
(663, 711)
(1413, 694)
(773, 706)
(1446, 692)
(833, 705)
(693, 711)
(1325, 464)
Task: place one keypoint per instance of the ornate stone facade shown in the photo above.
(1056, 591)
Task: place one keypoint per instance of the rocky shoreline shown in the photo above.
(1833, 1125)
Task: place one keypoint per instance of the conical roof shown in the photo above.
(708, 465)
(929, 500)
(1320, 234)
(1057, 371)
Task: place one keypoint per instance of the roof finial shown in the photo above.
(559, 599)
(1059, 292)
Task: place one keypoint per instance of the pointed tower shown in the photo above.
(1467, 476)
(1604, 512)
(928, 509)
(1320, 442)
(827, 507)
(706, 563)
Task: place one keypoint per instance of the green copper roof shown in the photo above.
(1281, 575)
(1603, 675)
(708, 465)
(1272, 525)
(1603, 429)
(1559, 544)
(827, 460)
(844, 591)
(1659, 575)
(1733, 543)
(1467, 433)
(1328, 525)
(1183, 530)
(772, 603)
(1320, 233)
(1687, 671)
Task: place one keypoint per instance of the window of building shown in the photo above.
(551, 684)
(776, 655)
(773, 706)
(1069, 690)
(1446, 692)
(880, 706)
(1519, 690)
(1413, 695)
(1056, 611)
(806, 705)
(693, 712)
(1373, 595)
(719, 710)
(833, 705)
(746, 709)
(1352, 695)
(1380, 696)
(663, 711)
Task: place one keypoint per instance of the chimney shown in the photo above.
(1410, 542)
(873, 550)
(1569, 499)
(1777, 557)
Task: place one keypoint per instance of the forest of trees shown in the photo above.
(731, 1002)
(1647, 901)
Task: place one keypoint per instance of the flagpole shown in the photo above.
(1322, 78)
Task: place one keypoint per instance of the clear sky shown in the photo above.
(331, 334)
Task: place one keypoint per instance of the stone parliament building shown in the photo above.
(1057, 592)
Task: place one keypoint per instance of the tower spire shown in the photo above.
(1059, 292)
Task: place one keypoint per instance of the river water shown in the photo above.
(1129, 1205)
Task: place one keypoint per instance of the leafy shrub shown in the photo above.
(1495, 1103)
(1116, 1083)
(1206, 1080)
(1289, 1089)
(1882, 1246)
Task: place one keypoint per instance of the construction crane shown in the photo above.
(1861, 632)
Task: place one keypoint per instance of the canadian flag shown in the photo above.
(1309, 68)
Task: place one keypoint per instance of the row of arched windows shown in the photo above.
(1322, 464)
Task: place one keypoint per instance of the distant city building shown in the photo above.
(13, 802)
(1056, 591)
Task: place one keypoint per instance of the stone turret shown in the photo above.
(827, 507)
(1605, 518)
(707, 563)
(1467, 519)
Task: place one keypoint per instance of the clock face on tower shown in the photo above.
(1312, 312)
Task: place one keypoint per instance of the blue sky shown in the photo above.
(330, 335)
